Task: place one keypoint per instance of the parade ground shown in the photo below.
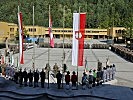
(113, 90)
(124, 69)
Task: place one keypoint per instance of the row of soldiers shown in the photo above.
(123, 52)
(22, 77)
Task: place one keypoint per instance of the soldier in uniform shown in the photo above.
(74, 79)
(42, 75)
(84, 80)
(104, 74)
(113, 71)
(59, 77)
(36, 78)
(64, 67)
(94, 78)
(55, 69)
(30, 76)
(25, 77)
(47, 68)
(20, 73)
(67, 79)
(16, 77)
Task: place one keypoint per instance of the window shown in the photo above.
(69, 31)
(11, 29)
(34, 29)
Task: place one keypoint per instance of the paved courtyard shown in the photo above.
(124, 68)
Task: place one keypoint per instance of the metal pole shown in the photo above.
(18, 42)
(33, 42)
(48, 46)
(78, 42)
(63, 45)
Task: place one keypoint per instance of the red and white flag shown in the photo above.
(21, 55)
(50, 32)
(79, 20)
(2, 59)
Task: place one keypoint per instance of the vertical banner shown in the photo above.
(50, 31)
(79, 20)
(21, 55)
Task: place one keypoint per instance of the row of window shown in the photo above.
(30, 29)
(120, 31)
(34, 30)
(72, 31)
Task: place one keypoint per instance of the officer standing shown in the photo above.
(36, 78)
(30, 76)
(59, 77)
(104, 74)
(94, 78)
(84, 80)
(47, 68)
(74, 79)
(55, 69)
(113, 71)
(20, 77)
(25, 77)
(67, 79)
(42, 75)
(16, 76)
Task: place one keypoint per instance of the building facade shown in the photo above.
(9, 30)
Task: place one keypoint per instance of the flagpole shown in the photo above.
(18, 42)
(78, 43)
(63, 45)
(48, 47)
(33, 63)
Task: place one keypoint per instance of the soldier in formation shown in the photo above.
(43, 76)
(36, 78)
(30, 76)
(55, 69)
(25, 76)
(59, 77)
(67, 79)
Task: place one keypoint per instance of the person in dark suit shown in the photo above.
(25, 75)
(36, 78)
(20, 74)
(59, 77)
(43, 76)
(30, 76)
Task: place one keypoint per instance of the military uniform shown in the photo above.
(42, 75)
(30, 76)
(55, 69)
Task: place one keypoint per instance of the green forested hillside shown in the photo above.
(100, 13)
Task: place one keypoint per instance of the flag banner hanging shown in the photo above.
(3, 59)
(12, 60)
(21, 55)
(79, 21)
(50, 32)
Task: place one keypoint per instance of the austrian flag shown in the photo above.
(21, 55)
(79, 20)
(50, 32)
